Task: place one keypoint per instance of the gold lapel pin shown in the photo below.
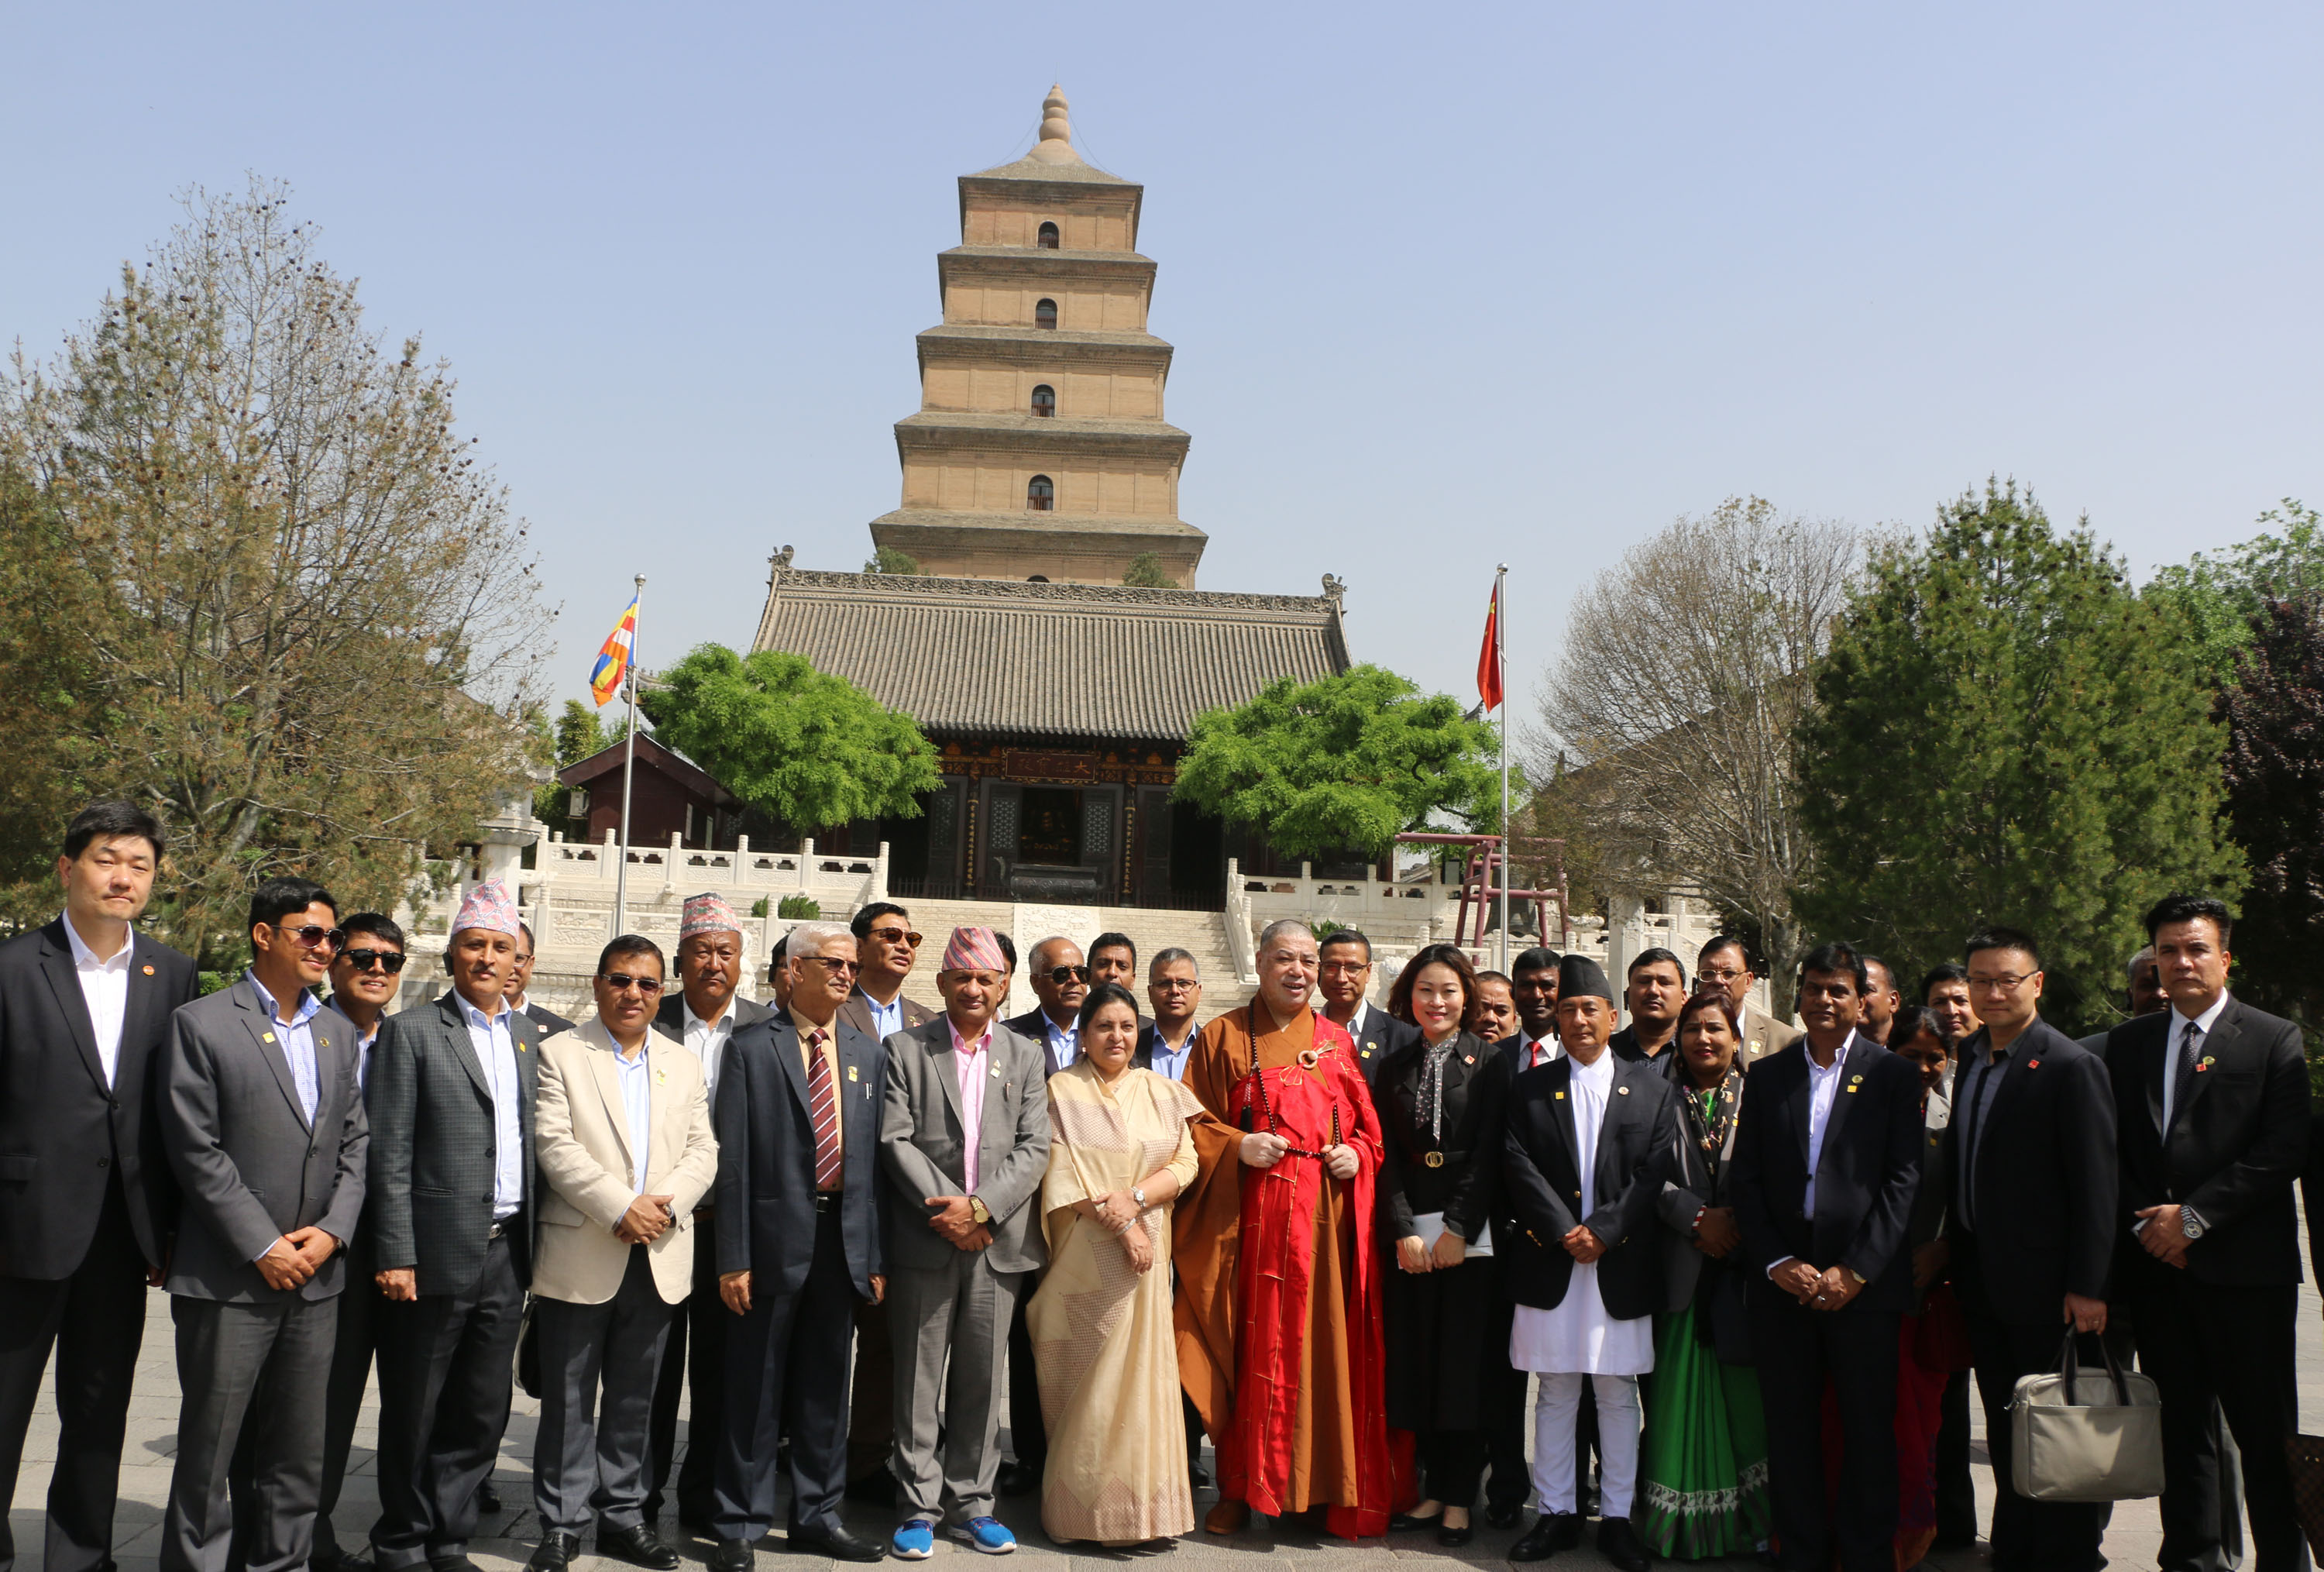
(850, 1072)
(996, 1072)
(1623, 1091)
(1560, 1096)
(149, 971)
(266, 1036)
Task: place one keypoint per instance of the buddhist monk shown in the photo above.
(1278, 1313)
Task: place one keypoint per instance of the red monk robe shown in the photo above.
(1278, 1310)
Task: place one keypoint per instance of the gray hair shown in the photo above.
(1033, 957)
(1278, 927)
(809, 938)
(2139, 963)
(1171, 957)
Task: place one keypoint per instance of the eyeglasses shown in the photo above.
(895, 936)
(1346, 969)
(622, 983)
(839, 968)
(2007, 982)
(389, 961)
(1715, 974)
(1061, 976)
(315, 937)
(1178, 985)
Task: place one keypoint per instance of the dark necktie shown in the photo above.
(2183, 1074)
(823, 1099)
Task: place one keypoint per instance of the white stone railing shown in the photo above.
(831, 878)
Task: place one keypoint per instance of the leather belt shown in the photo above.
(495, 1231)
(826, 1200)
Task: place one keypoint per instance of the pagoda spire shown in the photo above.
(1056, 144)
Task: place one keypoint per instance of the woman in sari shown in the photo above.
(1703, 1486)
(1119, 1151)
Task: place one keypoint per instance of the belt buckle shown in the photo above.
(494, 1232)
(1433, 1158)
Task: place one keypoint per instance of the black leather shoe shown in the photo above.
(1619, 1544)
(1550, 1532)
(837, 1543)
(557, 1552)
(1448, 1535)
(488, 1497)
(731, 1556)
(1198, 1476)
(1503, 1517)
(1404, 1522)
(638, 1546)
(1018, 1479)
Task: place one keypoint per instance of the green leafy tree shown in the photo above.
(2003, 733)
(577, 734)
(1146, 572)
(1349, 760)
(892, 559)
(2274, 714)
(806, 749)
(2224, 595)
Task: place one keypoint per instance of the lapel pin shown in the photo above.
(1624, 1091)
(996, 1072)
(324, 1041)
(850, 1072)
(1469, 1058)
(266, 1036)
(149, 971)
(2032, 1064)
(1560, 1096)
(1851, 1088)
(1853, 1080)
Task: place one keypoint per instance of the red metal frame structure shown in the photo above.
(1480, 887)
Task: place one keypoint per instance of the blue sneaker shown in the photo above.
(915, 1541)
(986, 1536)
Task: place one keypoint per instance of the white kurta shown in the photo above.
(1579, 1337)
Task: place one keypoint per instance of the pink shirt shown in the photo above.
(974, 1066)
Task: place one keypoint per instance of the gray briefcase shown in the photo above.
(2084, 1436)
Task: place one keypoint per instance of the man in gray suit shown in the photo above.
(965, 1141)
(451, 1095)
(262, 1118)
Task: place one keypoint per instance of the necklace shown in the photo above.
(1266, 1103)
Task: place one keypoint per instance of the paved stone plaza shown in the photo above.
(2132, 1541)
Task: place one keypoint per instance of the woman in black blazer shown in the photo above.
(1441, 1101)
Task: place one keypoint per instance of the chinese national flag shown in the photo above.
(1489, 658)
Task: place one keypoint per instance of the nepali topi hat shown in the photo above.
(1579, 977)
(973, 949)
(489, 907)
(707, 913)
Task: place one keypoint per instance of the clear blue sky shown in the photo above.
(1449, 285)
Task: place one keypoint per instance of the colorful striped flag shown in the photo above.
(1489, 658)
(614, 660)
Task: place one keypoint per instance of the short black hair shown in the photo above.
(277, 899)
(104, 820)
(373, 925)
(1346, 935)
(860, 923)
(1654, 957)
(1540, 958)
(1720, 941)
(1115, 941)
(2187, 909)
(1914, 1020)
(1008, 946)
(1838, 956)
(525, 929)
(631, 943)
(1950, 972)
(1501, 977)
(1101, 995)
(777, 956)
(1986, 939)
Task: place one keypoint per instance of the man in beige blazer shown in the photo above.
(1725, 964)
(626, 1153)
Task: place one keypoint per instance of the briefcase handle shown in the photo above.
(2069, 1363)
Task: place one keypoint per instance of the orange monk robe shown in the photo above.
(1278, 1309)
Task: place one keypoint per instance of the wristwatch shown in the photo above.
(1138, 1196)
(979, 1211)
(2191, 1225)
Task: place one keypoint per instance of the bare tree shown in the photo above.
(303, 623)
(1684, 671)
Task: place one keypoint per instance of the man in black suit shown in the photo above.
(798, 1233)
(703, 1012)
(1827, 1161)
(1533, 987)
(520, 987)
(451, 1212)
(88, 1202)
(1345, 982)
(1589, 1136)
(1653, 989)
(263, 1119)
(2211, 1116)
(2032, 1151)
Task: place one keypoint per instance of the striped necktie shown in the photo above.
(823, 1097)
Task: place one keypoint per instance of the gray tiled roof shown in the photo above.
(968, 656)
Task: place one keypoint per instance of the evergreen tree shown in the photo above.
(2003, 733)
(2275, 799)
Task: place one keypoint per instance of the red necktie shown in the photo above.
(823, 1097)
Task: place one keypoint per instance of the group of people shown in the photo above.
(1745, 1268)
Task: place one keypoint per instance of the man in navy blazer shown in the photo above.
(1827, 1161)
(1533, 987)
(798, 1226)
(88, 1202)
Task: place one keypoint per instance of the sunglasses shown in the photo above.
(314, 937)
(839, 968)
(621, 981)
(895, 936)
(1061, 976)
(389, 961)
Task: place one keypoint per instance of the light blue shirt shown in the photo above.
(1170, 1063)
(1065, 1045)
(888, 1019)
(298, 1043)
(496, 1052)
(637, 1102)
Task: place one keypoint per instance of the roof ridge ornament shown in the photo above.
(1057, 143)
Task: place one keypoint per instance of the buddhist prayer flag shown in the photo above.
(614, 660)
(1489, 658)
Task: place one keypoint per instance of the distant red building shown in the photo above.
(674, 796)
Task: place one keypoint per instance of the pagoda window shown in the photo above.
(1048, 237)
(1040, 494)
(1045, 401)
(1044, 314)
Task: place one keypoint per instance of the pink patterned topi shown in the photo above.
(973, 949)
(490, 907)
(706, 914)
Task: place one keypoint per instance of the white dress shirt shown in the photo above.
(2206, 1020)
(1823, 1087)
(707, 1040)
(104, 988)
(1537, 1051)
(496, 1052)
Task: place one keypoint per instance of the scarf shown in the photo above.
(1711, 1116)
(1430, 1114)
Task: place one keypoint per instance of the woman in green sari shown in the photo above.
(1703, 1486)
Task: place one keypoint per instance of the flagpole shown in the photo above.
(1500, 664)
(630, 761)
